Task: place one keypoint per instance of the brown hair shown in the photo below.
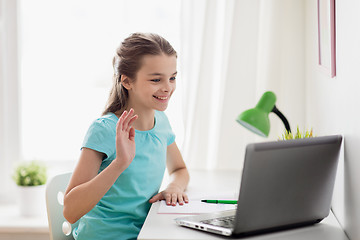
(127, 61)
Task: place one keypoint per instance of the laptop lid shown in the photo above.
(284, 184)
(287, 183)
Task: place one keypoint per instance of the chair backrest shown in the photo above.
(60, 228)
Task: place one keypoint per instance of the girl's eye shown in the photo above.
(155, 80)
(172, 78)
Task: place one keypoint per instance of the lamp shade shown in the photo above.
(257, 119)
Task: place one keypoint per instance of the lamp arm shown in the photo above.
(283, 118)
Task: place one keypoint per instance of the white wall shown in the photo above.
(332, 104)
(266, 54)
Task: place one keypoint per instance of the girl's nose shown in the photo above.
(166, 87)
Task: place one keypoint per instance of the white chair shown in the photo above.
(60, 229)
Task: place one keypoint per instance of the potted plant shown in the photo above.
(288, 135)
(31, 178)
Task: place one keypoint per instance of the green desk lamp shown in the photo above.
(257, 119)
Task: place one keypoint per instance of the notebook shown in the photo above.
(194, 207)
(284, 184)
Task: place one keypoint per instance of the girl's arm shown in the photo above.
(86, 186)
(179, 177)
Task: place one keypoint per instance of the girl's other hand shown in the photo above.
(172, 194)
(125, 139)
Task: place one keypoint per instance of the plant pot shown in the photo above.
(32, 201)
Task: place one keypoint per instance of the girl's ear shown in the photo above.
(125, 81)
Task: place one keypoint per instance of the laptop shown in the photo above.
(284, 184)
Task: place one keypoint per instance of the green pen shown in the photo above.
(220, 201)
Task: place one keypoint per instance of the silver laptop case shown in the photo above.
(284, 184)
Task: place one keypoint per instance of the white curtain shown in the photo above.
(232, 52)
(9, 97)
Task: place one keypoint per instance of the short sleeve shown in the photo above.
(101, 137)
(166, 130)
(170, 134)
(171, 137)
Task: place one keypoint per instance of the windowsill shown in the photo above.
(12, 222)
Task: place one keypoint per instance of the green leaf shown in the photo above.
(298, 134)
(32, 173)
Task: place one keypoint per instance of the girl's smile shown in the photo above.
(163, 100)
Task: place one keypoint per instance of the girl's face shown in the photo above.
(155, 83)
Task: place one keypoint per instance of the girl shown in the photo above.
(123, 156)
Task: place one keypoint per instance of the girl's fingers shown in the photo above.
(168, 199)
(123, 115)
(186, 199)
(157, 197)
(173, 199)
(119, 125)
(132, 134)
(127, 119)
(133, 118)
(180, 199)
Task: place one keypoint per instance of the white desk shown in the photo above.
(162, 226)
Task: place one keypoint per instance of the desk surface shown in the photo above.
(162, 226)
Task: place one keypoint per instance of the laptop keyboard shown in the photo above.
(227, 222)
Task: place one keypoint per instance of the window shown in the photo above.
(66, 66)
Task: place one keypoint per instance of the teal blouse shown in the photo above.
(121, 212)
